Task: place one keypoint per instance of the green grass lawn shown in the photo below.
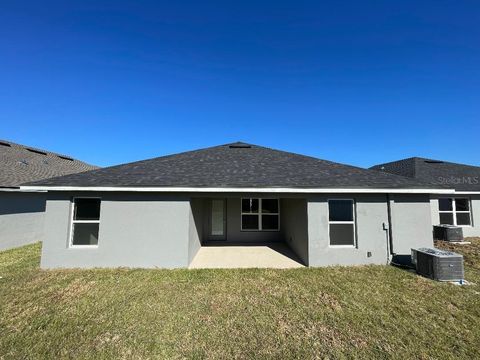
(361, 312)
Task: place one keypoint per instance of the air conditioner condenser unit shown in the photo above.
(438, 264)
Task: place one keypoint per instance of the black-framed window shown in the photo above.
(341, 222)
(260, 214)
(85, 222)
(455, 211)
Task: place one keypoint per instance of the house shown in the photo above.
(22, 212)
(161, 212)
(461, 208)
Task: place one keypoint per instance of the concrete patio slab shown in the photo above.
(226, 256)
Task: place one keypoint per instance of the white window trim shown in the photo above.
(353, 222)
(259, 214)
(454, 211)
(72, 222)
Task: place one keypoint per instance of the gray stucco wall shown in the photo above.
(371, 213)
(22, 218)
(136, 230)
(411, 223)
(473, 230)
(196, 219)
(155, 230)
(295, 226)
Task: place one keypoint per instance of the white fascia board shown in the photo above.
(23, 190)
(467, 192)
(241, 190)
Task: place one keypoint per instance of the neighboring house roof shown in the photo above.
(459, 176)
(21, 163)
(236, 165)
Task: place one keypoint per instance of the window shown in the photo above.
(260, 214)
(85, 222)
(341, 221)
(218, 217)
(454, 211)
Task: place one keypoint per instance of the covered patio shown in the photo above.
(275, 255)
(248, 231)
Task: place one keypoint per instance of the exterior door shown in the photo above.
(217, 219)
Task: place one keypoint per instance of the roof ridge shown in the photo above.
(451, 162)
(47, 152)
(386, 174)
(220, 166)
(22, 163)
(160, 157)
(181, 153)
(397, 161)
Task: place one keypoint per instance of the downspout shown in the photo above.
(390, 251)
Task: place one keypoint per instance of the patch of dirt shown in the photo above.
(73, 291)
(328, 335)
(106, 338)
(328, 300)
(21, 318)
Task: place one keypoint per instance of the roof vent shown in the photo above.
(5, 144)
(36, 151)
(65, 157)
(239, 146)
(433, 162)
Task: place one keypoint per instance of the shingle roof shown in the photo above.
(235, 165)
(461, 177)
(20, 163)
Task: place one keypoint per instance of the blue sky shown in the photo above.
(357, 82)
